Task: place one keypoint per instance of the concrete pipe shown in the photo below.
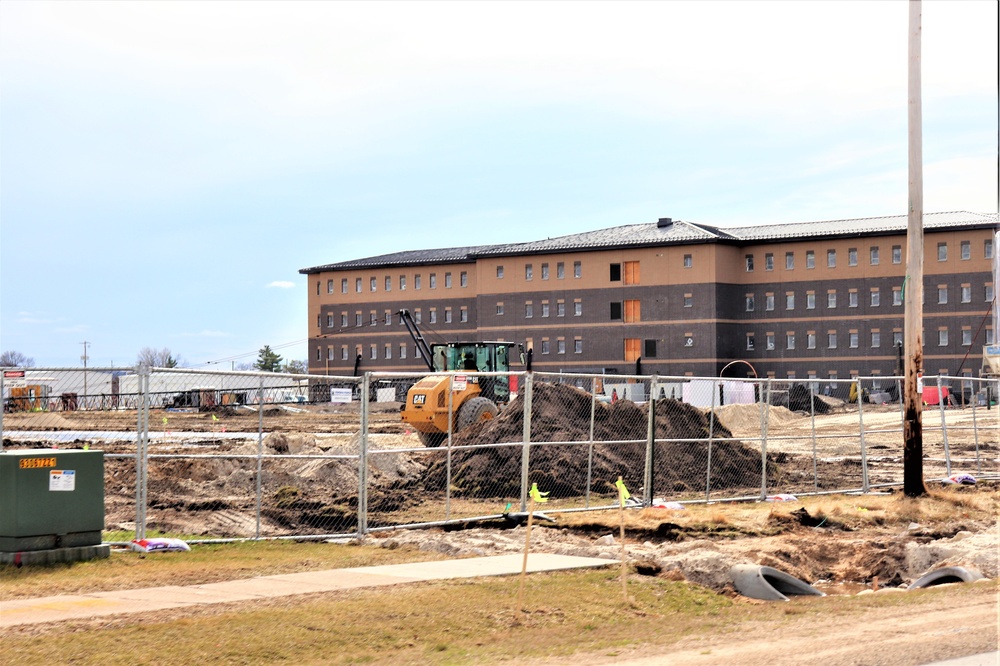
(769, 584)
(946, 575)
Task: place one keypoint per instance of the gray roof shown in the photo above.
(676, 233)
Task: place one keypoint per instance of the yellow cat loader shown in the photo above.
(473, 399)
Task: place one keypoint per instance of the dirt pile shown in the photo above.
(562, 414)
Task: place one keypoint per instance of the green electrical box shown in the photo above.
(50, 498)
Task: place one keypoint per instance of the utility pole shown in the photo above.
(84, 359)
(913, 442)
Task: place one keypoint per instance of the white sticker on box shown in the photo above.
(62, 479)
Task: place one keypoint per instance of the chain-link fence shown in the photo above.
(226, 455)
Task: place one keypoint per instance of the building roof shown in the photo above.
(671, 232)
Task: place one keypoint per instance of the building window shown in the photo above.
(545, 308)
(989, 293)
(790, 300)
(989, 336)
(749, 263)
(447, 280)
(965, 250)
(852, 256)
(343, 353)
(343, 320)
(966, 337)
(402, 283)
(357, 285)
(616, 311)
(811, 300)
(876, 338)
(432, 280)
(463, 315)
(810, 259)
(577, 269)
(873, 255)
(463, 279)
(560, 346)
(769, 341)
(853, 339)
(373, 284)
(329, 321)
(942, 252)
(388, 317)
(577, 308)
(633, 311)
(447, 315)
(330, 354)
(942, 294)
(578, 346)
(749, 341)
(529, 271)
(545, 271)
(499, 308)
(897, 254)
(988, 248)
(688, 300)
(768, 302)
(560, 271)
(417, 316)
(897, 338)
(343, 285)
(897, 296)
(852, 299)
(388, 351)
(561, 309)
(831, 340)
(966, 293)
(811, 340)
(831, 258)
(831, 299)
(432, 316)
(373, 352)
(529, 310)
(388, 283)
(688, 261)
(789, 341)
(499, 272)
(545, 345)
(789, 261)
(402, 350)
(357, 319)
(329, 286)
(649, 348)
(876, 298)
(416, 282)
(632, 349)
(942, 337)
(750, 302)
(372, 318)
(768, 261)
(317, 287)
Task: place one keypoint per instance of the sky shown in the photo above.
(167, 168)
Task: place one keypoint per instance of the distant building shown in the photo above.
(807, 300)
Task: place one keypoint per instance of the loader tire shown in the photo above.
(475, 410)
(432, 440)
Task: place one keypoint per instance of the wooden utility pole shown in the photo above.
(913, 285)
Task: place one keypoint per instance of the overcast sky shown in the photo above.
(166, 168)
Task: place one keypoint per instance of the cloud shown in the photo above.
(281, 284)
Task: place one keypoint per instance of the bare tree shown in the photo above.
(15, 359)
(157, 358)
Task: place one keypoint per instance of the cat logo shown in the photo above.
(419, 398)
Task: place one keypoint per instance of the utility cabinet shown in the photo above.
(50, 498)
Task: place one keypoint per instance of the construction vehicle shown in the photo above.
(430, 411)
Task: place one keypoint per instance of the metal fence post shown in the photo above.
(526, 440)
(944, 428)
(812, 427)
(451, 422)
(363, 459)
(647, 477)
(141, 448)
(260, 452)
(590, 442)
(975, 433)
(861, 436)
(765, 414)
(711, 434)
(3, 408)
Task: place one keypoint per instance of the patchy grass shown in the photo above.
(452, 622)
(204, 563)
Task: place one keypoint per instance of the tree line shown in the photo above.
(267, 361)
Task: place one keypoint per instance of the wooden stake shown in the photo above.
(524, 563)
(621, 516)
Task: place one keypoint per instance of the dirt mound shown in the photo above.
(562, 414)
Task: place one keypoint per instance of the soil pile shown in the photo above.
(562, 414)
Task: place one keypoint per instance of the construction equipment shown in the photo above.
(429, 408)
